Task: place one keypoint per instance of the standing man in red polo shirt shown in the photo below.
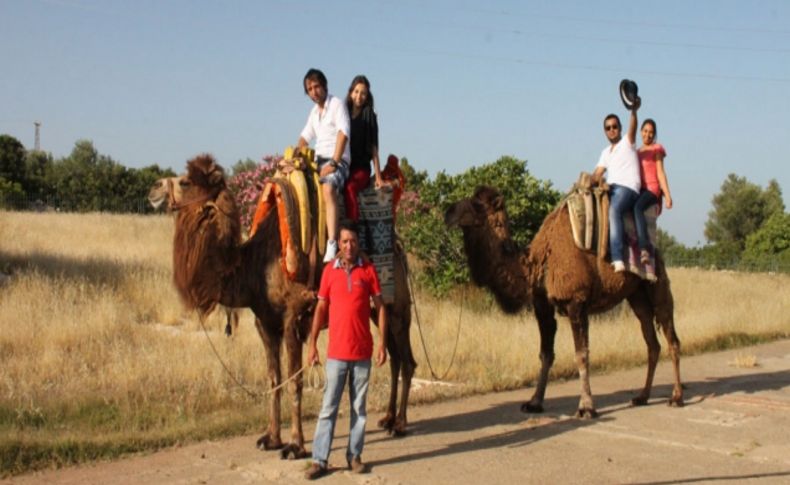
(347, 286)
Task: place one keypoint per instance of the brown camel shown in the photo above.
(211, 268)
(553, 274)
(168, 190)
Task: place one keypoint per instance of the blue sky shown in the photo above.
(456, 83)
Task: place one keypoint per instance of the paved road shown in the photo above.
(734, 427)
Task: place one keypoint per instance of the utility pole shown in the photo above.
(37, 144)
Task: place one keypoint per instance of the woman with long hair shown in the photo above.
(654, 184)
(364, 143)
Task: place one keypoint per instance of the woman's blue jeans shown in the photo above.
(645, 200)
(621, 200)
(358, 373)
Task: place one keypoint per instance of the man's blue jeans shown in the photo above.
(358, 373)
(621, 200)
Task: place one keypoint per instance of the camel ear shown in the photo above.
(498, 203)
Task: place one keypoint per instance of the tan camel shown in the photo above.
(169, 189)
(211, 268)
(553, 274)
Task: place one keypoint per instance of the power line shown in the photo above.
(559, 65)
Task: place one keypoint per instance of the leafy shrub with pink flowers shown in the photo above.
(246, 187)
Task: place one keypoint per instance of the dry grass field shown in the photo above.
(97, 357)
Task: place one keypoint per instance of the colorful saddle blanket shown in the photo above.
(295, 193)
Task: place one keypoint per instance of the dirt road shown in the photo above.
(735, 426)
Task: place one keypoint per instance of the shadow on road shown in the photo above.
(535, 427)
(715, 478)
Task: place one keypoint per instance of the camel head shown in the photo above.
(484, 211)
(207, 235)
(166, 189)
(495, 261)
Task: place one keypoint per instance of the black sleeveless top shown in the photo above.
(364, 137)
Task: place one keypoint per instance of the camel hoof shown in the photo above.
(228, 331)
(639, 401)
(267, 443)
(586, 413)
(398, 429)
(676, 402)
(387, 422)
(529, 407)
(293, 452)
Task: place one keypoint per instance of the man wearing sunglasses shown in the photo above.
(619, 160)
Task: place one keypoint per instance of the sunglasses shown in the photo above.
(611, 127)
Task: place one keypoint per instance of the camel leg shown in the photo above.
(580, 326)
(547, 325)
(271, 438)
(388, 421)
(407, 366)
(643, 308)
(232, 319)
(664, 307)
(293, 346)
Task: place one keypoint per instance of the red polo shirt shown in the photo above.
(348, 295)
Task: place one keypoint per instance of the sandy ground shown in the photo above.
(734, 427)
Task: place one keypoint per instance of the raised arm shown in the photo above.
(632, 122)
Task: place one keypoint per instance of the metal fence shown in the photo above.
(58, 204)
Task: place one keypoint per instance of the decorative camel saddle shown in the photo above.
(588, 208)
(295, 192)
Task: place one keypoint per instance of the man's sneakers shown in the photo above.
(644, 257)
(331, 250)
(618, 266)
(356, 465)
(315, 471)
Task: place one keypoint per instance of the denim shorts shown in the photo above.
(336, 179)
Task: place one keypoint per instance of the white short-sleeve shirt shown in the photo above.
(324, 126)
(622, 165)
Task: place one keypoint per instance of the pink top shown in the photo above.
(649, 173)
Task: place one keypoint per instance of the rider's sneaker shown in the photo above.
(331, 250)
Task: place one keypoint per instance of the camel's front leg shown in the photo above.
(388, 421)
(293, 345)
(580, 326)
(407, 366)
(547, 324)
(402, 362)
(271, 439)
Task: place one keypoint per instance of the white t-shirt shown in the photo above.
(323, 128)
(621, 164)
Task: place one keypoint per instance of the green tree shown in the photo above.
(769, 247)
(12, 173)
(38, 166)
(739, 209)
(89, 181)
(12, 159)
(421, 221)
(246, 165)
